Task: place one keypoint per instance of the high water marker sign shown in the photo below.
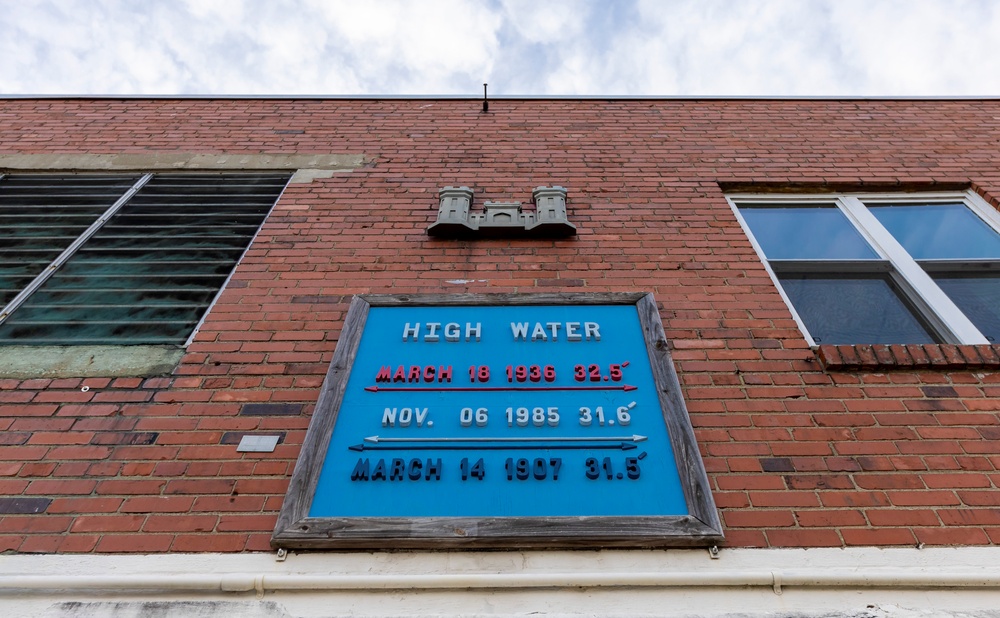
(500, 421)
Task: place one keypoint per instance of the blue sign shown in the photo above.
(498, 412)
(467, 421)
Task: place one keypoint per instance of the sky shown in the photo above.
(519, 47)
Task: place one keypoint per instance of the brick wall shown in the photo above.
(800, 452)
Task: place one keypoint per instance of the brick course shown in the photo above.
(848, 445)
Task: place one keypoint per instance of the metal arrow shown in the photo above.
(632, 438)
(625, 443)
(624, 446)
(480, 389)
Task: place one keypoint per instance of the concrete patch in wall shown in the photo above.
(308, 166)
(166, 609)
(87, 361)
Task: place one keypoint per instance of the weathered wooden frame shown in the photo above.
(701, 527)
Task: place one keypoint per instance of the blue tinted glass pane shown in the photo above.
(853, 310)
(977, 297)
(806, 233)
(939, 231)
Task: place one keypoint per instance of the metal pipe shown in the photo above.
(261, 582)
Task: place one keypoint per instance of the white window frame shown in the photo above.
(933, 305)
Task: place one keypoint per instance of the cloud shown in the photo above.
(557, 47)
(920, 47)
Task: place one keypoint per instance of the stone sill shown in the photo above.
(884, 357)
(88, 361)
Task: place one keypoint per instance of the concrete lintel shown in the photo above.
(313, 165)
(106, 361)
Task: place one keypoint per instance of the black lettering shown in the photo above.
(360, 471)
(433, 469)
(413, 470)
(398, 470)
(378, 474)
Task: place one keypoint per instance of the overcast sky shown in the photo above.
(521, 47)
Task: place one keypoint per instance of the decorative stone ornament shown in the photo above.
(550, 212)
(502, 215)
(501, 219)
(453, 213)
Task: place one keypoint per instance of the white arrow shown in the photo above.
(632, 438)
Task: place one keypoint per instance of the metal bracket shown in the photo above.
(281, 555)
(713, 552)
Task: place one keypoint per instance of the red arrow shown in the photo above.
(480, 389)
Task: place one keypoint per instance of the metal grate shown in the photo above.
(40, 216)
(150, 272)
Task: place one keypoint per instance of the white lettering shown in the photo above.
(573, 331)
(410, 331)
(405, 417)
(554, 327)
(549, 331)
(520, 330)
(420, 414)
(538, 333)
(432, 332)
(389, 417)
(470, 330)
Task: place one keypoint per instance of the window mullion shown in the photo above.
(67, 253)
(955, 327)
(983, 209)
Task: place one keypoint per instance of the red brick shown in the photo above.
(84, 505)
(898, 518)
(951, 536)
(824, 481)
(78, 543)
(181, 523)
(764, 499)
(228, 503)
(754, 389)
(200, 486)
(129, 487)
(246, 523)
(970, 517)
(840, 499)
(956, 481)
(980, 498)
(107, 523)
(878, 537)
(134, 543)
(157, 504)
(31, 524)
(209, 542)
(53, 487)
(803, 537)
(829, 518)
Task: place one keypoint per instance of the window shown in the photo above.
(867, 269)
(89, 259)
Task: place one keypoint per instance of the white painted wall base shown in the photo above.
(856, 583)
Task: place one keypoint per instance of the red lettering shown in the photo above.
(400, 375)
(429, 373)
(444, 374)
(414, 373)
(384, 374)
